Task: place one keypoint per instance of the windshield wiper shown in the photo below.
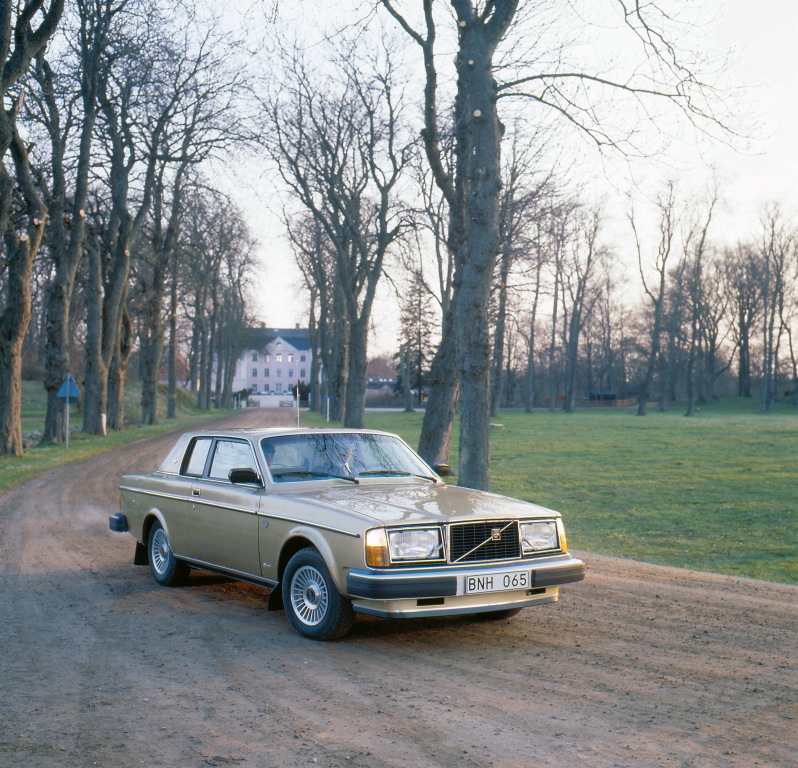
(395, 473)
(308, 473)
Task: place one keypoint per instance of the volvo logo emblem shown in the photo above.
(495, 534)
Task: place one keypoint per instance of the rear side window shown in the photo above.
(199, 454)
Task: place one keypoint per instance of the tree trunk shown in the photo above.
(13, 326)
(530, 369)
(171, 401)
(482, 141)
(497, 383)
(357, 375)
(117, 373)
(436, 430)
(407, 387)
(95, 391)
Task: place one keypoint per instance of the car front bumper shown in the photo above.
(443, 591)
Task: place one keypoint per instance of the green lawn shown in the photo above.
(16, 470)
(715, 492)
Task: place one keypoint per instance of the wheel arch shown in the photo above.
(153, 516)
(305, 536)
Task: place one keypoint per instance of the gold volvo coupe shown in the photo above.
(336, 522)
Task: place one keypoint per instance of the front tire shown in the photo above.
(165, 568)
(313, 604)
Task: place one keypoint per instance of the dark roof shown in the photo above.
(298, 338)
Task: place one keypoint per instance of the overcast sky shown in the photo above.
(761, 36)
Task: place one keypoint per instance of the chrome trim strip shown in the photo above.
(259, 513)
(192, 499)
(544, 561)
(240, 575)
(375, 608)
(153, 493)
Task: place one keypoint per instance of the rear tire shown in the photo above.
(313, 604)
(165, 568)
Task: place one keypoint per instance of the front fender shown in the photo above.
(344, 553)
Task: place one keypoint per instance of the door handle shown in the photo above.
(195, 491)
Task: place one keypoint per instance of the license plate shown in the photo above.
(498, 582)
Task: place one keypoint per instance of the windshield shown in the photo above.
(292, 458)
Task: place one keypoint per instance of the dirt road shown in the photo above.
(637, 666)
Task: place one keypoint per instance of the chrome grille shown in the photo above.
(484, 541)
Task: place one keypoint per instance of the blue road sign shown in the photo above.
(68, 392)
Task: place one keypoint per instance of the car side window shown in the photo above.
(199, 454)
(228, 455)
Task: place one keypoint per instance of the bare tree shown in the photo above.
(656, 292)
(743, 285)
(203, 122)
(69, 123)
(25, 29)
(442, 387)
(520, 206)
(473, 190)
(578, 284)
(778, 245)
(695, 250)
(341, 150)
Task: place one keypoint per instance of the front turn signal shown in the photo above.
(561, 534)
(377, 548)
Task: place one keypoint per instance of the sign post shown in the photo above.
(67, 393)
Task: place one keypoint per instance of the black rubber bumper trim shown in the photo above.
(399, 588)
(557, 576)
(118, 523)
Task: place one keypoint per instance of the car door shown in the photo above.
(224, 530)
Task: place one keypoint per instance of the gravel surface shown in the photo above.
(637, 666)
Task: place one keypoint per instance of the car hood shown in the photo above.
(436, 503)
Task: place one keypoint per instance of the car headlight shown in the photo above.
(537, 536)
(415, 544)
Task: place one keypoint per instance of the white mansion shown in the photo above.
(275, 360)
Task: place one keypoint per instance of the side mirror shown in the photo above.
(441, 469)
(244, 475)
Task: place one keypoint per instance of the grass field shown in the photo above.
(715, 492)
(16, 470)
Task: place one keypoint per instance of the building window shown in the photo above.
(254, 357)
(267, 358)
(290, 373)
(301, 358)
(279, 357)
(266, 372)
(254, 372)
(279, 389)
(279, 372)
(290, 357)
(302, 374)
